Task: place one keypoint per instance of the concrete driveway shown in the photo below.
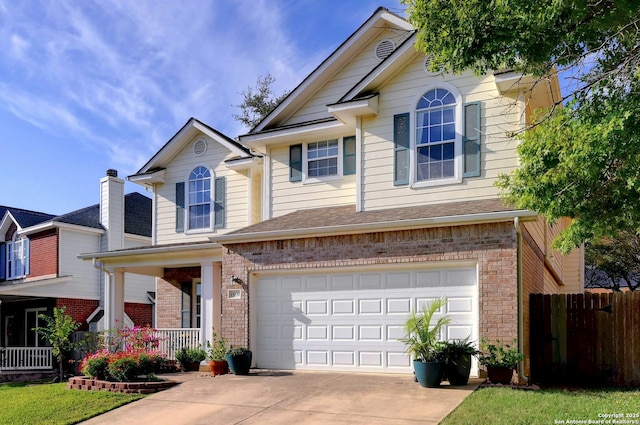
(278, 397)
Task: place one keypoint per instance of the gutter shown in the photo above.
(521, 377)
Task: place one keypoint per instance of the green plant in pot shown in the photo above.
(456, 355)
(500, 360)
(190, 358)
(239, 360)
(423, 344)
(216, 353)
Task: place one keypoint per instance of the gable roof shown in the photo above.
(137, 220)
(380, 19)
(159, 161)
(23, 218)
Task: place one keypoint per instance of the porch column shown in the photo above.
(207, 304)
(114, 300)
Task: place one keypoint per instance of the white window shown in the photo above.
(199, 211)
(322, 158)
(33, 320)
(436, 135)
(17, 258)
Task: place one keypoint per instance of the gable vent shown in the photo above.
(427, 63)
(199, 147)
(384, 48)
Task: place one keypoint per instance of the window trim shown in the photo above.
(187, 229)
(413, 154)
(24, 260)
(305, 163)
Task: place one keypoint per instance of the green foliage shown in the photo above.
(452, 350)
(190, 355)
(122, 366)
(218, 349)
(422, 335)
(96, 365)
(499, 355)
(58, 332)
(613, 263)
(258, 101)
(235, 351)
(580, 161)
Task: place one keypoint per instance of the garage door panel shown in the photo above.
(352, 321)
(341, 307)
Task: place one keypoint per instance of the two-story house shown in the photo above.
(369, 191)
(39, 268)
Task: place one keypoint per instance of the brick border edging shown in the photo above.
(147, 387)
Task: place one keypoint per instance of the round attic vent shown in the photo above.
(427, 63)
(199, 147)
(384, 48)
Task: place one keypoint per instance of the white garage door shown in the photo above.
(352, 321)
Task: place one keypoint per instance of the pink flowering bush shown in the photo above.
(130, 353)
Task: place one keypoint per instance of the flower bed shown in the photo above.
(144, 387)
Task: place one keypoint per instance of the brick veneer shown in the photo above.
(43, 254)
(492, 246)
(78, 309)
(169, 295)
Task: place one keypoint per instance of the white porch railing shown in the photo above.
(26, 358)
(173, 339)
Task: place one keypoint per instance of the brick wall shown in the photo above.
(80, 310)
(168, 304)
(43, 254)
(492, 246)
(141, 314)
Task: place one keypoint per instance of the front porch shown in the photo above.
(25, 358)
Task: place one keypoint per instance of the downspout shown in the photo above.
(516, 223)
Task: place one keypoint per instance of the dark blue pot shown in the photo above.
(429, 374)
(240, 363)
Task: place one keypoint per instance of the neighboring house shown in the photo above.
(39, 268)
(367, 192)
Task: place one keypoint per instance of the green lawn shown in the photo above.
(498, 406)
(55, 404)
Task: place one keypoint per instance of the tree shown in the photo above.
(578, 161)
(258, 101)
(613, 263)
(58, 333)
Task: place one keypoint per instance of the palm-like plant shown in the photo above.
(422, 336)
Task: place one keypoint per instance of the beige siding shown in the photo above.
(499, 116)
(292, 196)
(181, 166)
(136, 286)
(574, 272)
(343, 81)
(84, 277)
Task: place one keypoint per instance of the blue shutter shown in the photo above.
(3, 261)
(219, 204)
(295, 163)
(471, 140)
(349, 155)
(180, 207)
(401, 142)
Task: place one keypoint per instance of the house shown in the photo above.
(367, 192)
(39, 268)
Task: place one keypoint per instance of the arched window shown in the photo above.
(200, 198)
(436, 135)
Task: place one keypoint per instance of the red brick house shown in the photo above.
(39, 269)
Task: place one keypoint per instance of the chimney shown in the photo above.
(112, 210)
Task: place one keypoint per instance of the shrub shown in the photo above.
(96, 365)
(499, 355)
(124, 368)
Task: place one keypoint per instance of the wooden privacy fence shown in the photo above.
(585, 339)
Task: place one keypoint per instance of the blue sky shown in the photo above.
(90, 85)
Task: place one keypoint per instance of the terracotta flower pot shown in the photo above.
(218, 367)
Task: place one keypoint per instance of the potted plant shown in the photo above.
(190, 358)
(423, 345)
(239, 360)
(216, 353)
(500, 360)
(456, 356)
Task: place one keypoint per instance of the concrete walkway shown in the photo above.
(277, 397)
